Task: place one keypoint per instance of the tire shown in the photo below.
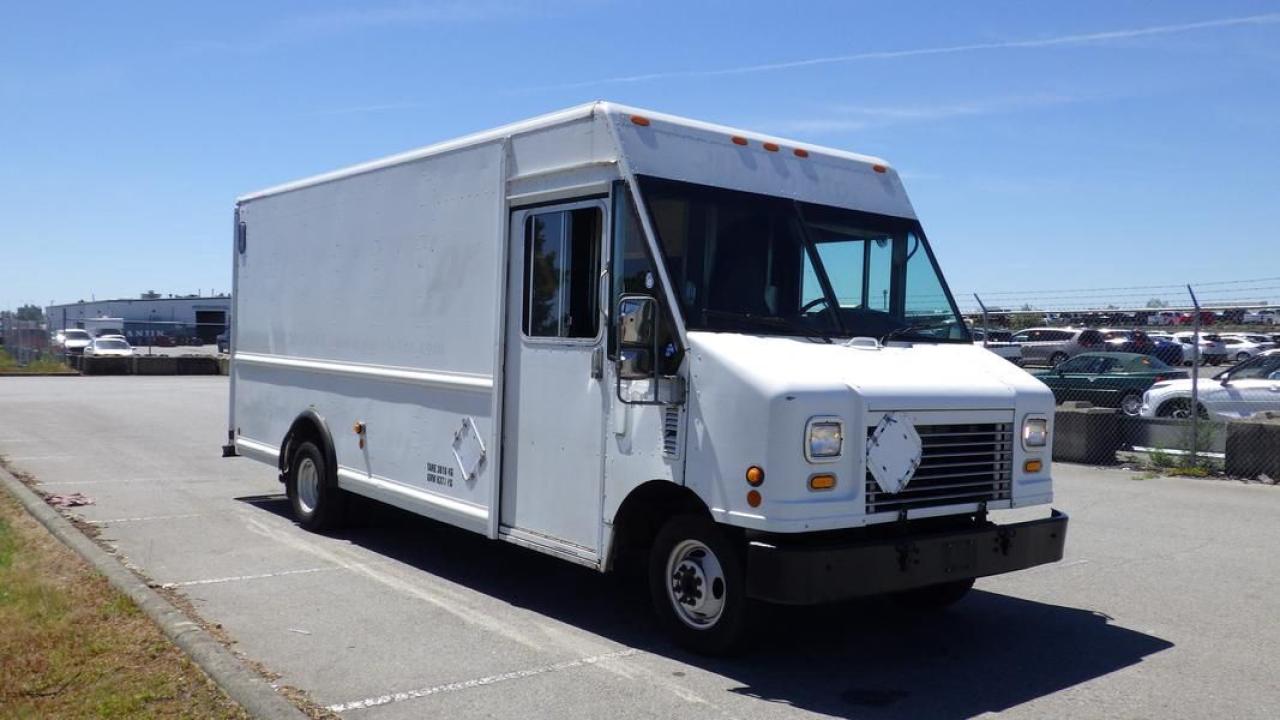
(1241, 357)
(1180, 408)
(1131, 403)
(1058, 358)
(317, 501)
(934, 597)
(698, 587)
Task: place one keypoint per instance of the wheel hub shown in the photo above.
(697, 585)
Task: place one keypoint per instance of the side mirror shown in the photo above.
(637, 331)
(636, 316)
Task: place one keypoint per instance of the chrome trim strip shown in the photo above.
(429, 378)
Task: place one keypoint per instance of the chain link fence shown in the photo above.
(32, 346)
(1192, 390)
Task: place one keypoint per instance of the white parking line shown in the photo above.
(237, 578)
(478, 682)
(146, 518)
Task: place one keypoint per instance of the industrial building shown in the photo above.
(150, 315)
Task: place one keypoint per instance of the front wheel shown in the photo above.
(697, 584)
(1241, 357)
(1057, 359)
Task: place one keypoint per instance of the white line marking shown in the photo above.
(237, 578)
(112, 481)
(146, 518)
(478, 682)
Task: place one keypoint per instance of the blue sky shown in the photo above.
(1057, 153)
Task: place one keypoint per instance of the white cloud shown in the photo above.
(1060, 40)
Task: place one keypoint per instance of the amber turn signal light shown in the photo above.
(753, 498)
(1032, 466)
(755, 476)
(822, 482)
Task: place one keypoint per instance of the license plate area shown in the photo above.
(959, 556)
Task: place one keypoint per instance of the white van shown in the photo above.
(613, 335)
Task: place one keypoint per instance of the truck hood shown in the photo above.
(935, 376)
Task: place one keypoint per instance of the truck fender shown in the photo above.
(642, 514)
(309, 425)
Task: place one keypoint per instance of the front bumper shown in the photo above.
(804, 575)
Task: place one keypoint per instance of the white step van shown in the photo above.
(613, 335)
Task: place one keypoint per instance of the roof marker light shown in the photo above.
(738, 140)
(640, 120)
(879, 168)
(800, 153)
(771, 147)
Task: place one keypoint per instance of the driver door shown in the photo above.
(554, 392)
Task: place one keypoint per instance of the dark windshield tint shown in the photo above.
(742, 262)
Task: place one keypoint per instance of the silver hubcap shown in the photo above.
(1131, 404)
(308, 485)
(696, 584)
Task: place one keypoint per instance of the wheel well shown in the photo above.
(308, 426)
(642, 515)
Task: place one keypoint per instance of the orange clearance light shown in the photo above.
(771, 147)
(1032, 466)
(358, 428)
(738, 140)
(640, 120)
(755, 476)
(753, 498)
(800, 153)
(822, 482)
(879, 168)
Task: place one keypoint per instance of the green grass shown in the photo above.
(40, 365)
(71, 646)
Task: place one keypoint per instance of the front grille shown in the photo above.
(969, 463)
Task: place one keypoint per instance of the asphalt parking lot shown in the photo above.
(1165, 605)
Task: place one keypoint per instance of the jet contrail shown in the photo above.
(1078, 39)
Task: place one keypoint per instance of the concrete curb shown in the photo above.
(246, 687)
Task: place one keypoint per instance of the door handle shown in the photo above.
(597, 363)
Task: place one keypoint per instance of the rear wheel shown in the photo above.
(934, 597)
(1057, 359)
(318, 503)
(1131, 403)
(697, 584)
(1242, 356)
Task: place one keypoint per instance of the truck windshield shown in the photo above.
(742, 262)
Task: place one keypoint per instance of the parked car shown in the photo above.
(1137, 341)
(1164, 317)
(1239, 349)
(999, 342)
(224, 343)
(1250, 387)
(110, 346)
(1055, 345)
(73, 340)
(1258, 317)
(1262, 341)
(1108, 379)
(1212, 350)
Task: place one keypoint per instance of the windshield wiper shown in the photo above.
(769, 321)
(910, 332)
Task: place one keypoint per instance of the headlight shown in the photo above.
(1035, 432)
(825, 439)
